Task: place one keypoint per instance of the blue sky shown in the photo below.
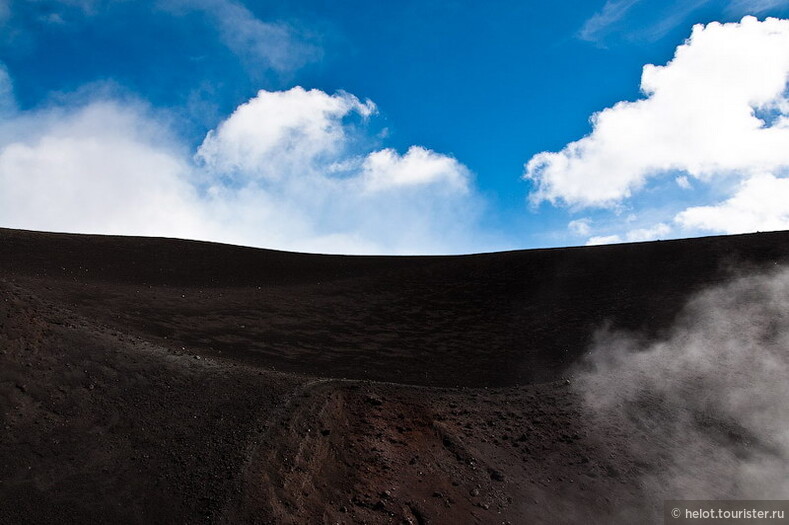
(395, 127)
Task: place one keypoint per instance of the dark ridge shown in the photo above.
(491, 319)
(135, 383)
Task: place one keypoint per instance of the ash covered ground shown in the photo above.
(157, 381)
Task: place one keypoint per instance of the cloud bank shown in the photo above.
(102, 169)
(716, 114)
(287, 169)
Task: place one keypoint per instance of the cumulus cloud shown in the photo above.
(283, 171)
(296, 150)
(282, 132)
(698, 118)
(386, 169)
(760, 203)
(297, 134)
(715, 119)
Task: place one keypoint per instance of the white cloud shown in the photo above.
(683, 182)
(753, 7)
(94, 171)
(698, 117)
(282, 132)
(267, 177)
(715, 119)
(599, 23)
(582, 227)
(603, 239)
(659, 231)
(261, 45)
(7, 100)
(300, 134)
(670, 18)
(656, 232)
(385, 169)
(760, 204)
(294, 150)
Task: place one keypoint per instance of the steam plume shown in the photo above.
(707, 405)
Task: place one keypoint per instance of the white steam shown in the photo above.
(706, 407)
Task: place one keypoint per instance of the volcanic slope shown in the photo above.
(149, 380)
